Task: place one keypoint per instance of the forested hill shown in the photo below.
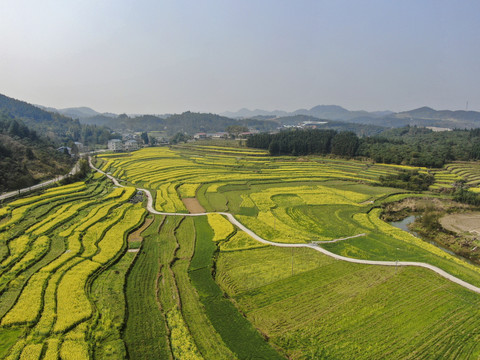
(191, 123)
(187, 122)
(57, 127)
(409, 145)
(25, 157)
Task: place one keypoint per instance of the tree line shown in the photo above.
(306, 142)
(407, 146)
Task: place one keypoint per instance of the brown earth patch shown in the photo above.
(193, 206)
(401, 209)
(460, 223)
(136, 235)
(420, 204)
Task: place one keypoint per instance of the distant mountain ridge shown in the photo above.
(81, 112)
(329, 112)
(424, 116)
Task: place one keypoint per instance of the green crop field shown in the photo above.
(322, 308)
(73, 285)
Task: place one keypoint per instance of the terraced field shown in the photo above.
(54, 247)
(74, 286)
(468, 171)
(295, 297)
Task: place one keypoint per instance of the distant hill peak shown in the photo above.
(79, 112)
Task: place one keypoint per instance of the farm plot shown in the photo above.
(165, 314)
(198, 288)
(191, 171)
(289, 201)
(315, 307)
(48, 272)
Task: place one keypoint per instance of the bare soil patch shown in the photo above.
(401, 209)
(193, 206)
(461, 223)
(136, 235)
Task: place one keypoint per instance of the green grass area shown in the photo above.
(237, 333)
(208, 341)
(8, 337)
(333, 309)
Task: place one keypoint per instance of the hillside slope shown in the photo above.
(57, 127)
(26, 158)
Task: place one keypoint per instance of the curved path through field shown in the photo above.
(314, 246)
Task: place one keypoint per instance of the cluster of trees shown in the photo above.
(235, 130)
(306, 142)
(14, 127)
(58, 128)
(408, 146)
(410, 180)
(26, 157)
(179, 137)
(463, 195)
(422, 147)
(467, 197)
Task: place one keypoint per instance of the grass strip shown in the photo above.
(236, 331)
(145, 333)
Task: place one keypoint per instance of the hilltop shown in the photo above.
(423, 116)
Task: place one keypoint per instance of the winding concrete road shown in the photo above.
(313, 246)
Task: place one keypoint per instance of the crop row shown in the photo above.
(18, 213)
(113, 240)
(167, 199)
(242, 338)
(222, 227)
(55, 297)
(53, 192)
(63, 214)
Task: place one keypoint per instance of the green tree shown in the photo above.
(144, 137)
(345, 143)
(236, 129)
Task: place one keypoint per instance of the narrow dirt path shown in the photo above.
(313, 246)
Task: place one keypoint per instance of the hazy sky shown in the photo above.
(155, 56)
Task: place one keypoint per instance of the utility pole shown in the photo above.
(292, 261)
(396, 262)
